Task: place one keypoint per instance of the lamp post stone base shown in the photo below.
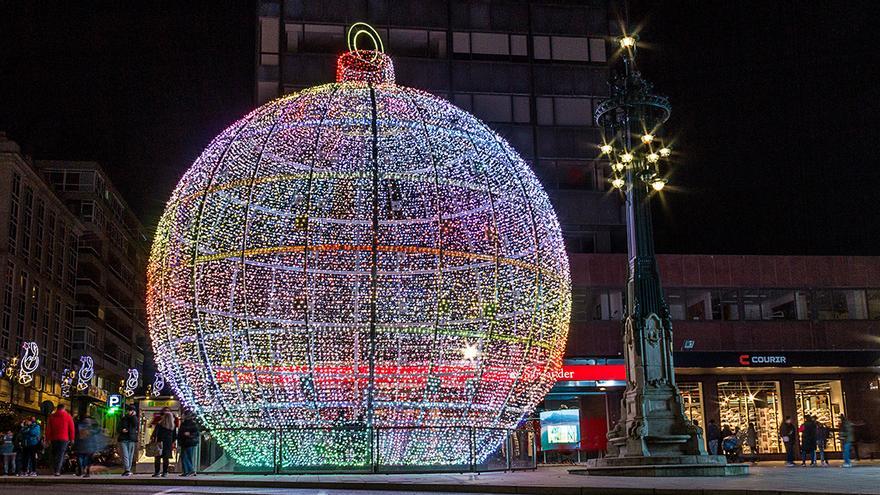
(657, 466)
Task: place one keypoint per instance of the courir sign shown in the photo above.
(762, 360)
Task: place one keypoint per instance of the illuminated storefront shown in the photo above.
(745, 403)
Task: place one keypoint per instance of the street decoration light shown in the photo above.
(359, 253)
(129, 384)
(85, 373)
(30, 361)
(67, 378)
(653, 435)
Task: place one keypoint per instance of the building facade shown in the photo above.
(756, 339)
(38, 256)
(73, 258)
(532, 70)
(110, 319)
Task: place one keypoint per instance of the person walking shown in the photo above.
(713, 434)
(87, 439)
(18, 446)
(31, 436)
(752, 441)
(808, 441)
(847, 435)
(7, 450)
(165, 433)
(60, 431)
(822, 442)
(128, 435)
(188, 436)
(788, 435)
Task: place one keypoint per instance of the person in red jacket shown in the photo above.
(59, 432)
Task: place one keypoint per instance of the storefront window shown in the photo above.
(758, 403)
(840, 304)
(824, 401)
(692, 402)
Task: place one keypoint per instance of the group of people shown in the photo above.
(814, 436)
(168, 430)
(20, 449)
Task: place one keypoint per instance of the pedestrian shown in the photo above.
(30, 437)
(87, 443)
(808, 441)
(18, 446)
(188, 436)
(752, 441)
(822, 441)
(847, 435)
(713, 434)
(7, 450)
(730, 444)
(59, 433)
(165, 433)
(788, 435)
(725, 431)
(128, 435)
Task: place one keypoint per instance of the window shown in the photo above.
(840, 304)
(521, 111)
(493, 108)
(823, 400)
(725, 304)
(542, 47)
(572, 111)
(873, 303)
(570, 48)
(604, 304)
(755, 403)
(323, 39)
(775, 304)
(597, 50)
(691, 304)
(490, 44)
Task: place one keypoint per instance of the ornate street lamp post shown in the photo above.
(653, 436)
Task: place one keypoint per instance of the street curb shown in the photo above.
(394, 486)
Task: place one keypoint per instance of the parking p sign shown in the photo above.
(114, 400)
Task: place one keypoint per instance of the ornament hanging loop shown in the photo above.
(361, 29)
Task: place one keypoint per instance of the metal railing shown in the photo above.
(358, 450)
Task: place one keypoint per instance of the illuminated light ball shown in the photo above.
(359, 273)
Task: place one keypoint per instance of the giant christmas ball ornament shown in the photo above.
(359, 273)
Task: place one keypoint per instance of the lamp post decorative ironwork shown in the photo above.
(653, 436)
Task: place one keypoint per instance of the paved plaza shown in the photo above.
(768, 478)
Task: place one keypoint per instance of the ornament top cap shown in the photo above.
(366, 66)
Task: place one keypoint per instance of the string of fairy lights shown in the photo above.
(363, 269)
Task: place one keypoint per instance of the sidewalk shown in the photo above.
(767, 479)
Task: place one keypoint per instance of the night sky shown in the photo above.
(775, 114)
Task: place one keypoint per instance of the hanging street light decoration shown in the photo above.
(30, 361)
(653, 435)
(157, 386)
(67, 378)
(359, 253)
(86, 372)
(128, 385)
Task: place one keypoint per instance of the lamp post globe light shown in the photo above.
(653, 437)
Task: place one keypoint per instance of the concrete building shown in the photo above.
(756, 339)
(532, 70)
(38, 257)
(110, 320)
